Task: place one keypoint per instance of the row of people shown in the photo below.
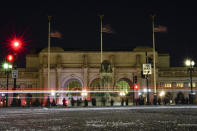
(93, 102)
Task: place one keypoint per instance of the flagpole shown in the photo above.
(101, 18)
(49, 44)
(154, 60)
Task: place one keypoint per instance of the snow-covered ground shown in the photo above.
(142, 118)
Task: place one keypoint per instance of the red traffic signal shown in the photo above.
(136, 86)
(16, 45)
(10, 58)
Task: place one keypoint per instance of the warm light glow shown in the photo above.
(189, 63)
(53, 93)
(162, 93)
(145, 90)
(10, 66)
(192, 63)
(122, 93)
(84, 93)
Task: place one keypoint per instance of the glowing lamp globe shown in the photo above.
(187, 62)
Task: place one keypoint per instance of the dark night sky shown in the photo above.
(78, 22)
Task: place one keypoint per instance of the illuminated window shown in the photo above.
(168, 85)
(193, 84)
(179, 84)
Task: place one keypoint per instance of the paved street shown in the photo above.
(142, 118)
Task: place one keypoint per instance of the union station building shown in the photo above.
(82, 70)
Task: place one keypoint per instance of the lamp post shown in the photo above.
(7, 68)
(190, 64)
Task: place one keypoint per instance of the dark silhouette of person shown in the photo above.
(86, 103)
(112, 102)
(80, 101)
(53, 102)
(93, 102)
(159, 101)
(19, 102)
(127, 101)
(48, 102)
(122, 102)
(72, 102)
(64, 102)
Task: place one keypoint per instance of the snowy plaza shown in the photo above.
(144, 118)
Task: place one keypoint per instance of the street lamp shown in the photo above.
(84, 93)
(162, 93)
(122, 94)
(190, 64)
(7, 67)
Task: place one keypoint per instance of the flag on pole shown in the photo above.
(56, 34)
(107, 29)
(160, 29)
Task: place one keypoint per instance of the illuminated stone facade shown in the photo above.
(84, 67)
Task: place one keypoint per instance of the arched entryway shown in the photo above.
(70, 84)
(123, 85)
(73, 85)
(95, 84)
(180, 98)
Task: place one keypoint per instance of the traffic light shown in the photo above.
(16, 45)
(135, 79)
(10, 58)
(136, 86)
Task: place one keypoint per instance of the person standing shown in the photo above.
(127, 101)
(64, 102)
(122, 102)
(112, 102)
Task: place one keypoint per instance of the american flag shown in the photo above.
(160, 29)
(56, 34)
(108, 29)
